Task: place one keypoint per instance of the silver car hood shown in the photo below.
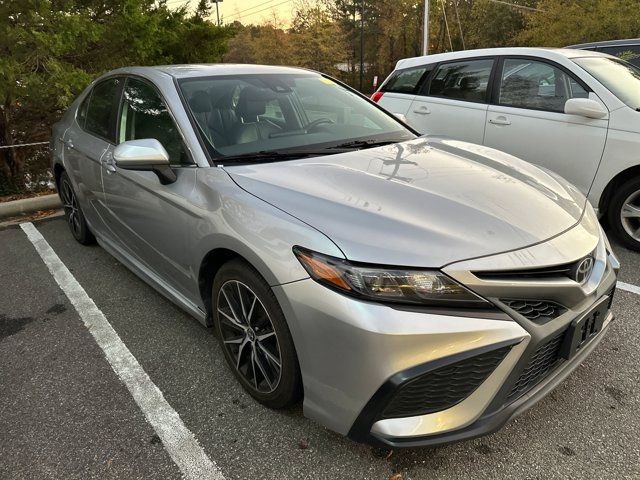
(423, 203)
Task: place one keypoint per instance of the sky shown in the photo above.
(252, 11)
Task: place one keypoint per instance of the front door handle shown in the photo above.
(422, 110)
(501, 120)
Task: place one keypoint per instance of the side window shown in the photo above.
(144, 115)
(537, 85)
(405, 81)
(102, 107)
(466, 80)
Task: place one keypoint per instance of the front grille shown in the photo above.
(443, 387)
(542, 273)
(538, 311)
(545, 358)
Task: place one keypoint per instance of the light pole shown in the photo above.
(217, 11)
(425, 28)
(361, 43)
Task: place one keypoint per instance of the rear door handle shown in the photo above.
(500, 121)
(422, 110)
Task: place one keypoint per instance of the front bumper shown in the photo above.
(353, 354)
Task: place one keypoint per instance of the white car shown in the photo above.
(572, 111)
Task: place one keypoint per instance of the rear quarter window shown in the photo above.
(406, 81)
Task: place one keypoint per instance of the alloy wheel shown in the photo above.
(70, 204)
(630, 215)
(249, 337)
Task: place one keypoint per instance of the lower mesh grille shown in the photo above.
(538, 311)
(444, 387)
(542, 362)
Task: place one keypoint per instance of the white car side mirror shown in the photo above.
(585, 107)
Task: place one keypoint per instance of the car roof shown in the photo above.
(540, 52)
(607, 43)
(207, 70)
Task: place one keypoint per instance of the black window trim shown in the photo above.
(113, 118)
(498, 79)
(127, 77)
(423, 91)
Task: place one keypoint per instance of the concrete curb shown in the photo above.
(29, 205)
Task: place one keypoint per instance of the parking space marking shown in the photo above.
(179, 442)
(628, 287)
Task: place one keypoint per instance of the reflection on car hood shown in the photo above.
(424, 203)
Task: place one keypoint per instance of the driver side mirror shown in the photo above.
(585, 107)
(145, 154)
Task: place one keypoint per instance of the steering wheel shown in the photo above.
(316, 122)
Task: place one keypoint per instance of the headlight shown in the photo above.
(384, 284)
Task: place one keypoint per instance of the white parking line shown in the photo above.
(628, 287)
(179, 442)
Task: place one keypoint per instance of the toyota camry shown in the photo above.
(410, 290)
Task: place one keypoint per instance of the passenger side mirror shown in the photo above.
(145, 154)
(585, 107)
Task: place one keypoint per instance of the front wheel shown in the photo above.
(254, 335)
(73, 213)
(624, 213)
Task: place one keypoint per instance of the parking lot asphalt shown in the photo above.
(64, 413)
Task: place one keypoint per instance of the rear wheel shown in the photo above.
(254, 335)
(73, 212)
(624, 213)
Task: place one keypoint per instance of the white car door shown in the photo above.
(454, 101)
(527, 120)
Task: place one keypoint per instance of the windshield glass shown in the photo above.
(622, 78)
(245, 114)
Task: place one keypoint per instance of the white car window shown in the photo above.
(622, 78)
(527, 83)
(405, 81)
(466, 80)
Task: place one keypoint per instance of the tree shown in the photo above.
(565, 22)
(51, 49)
(317, 42)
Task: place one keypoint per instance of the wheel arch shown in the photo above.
(57, 173)
(619, 179)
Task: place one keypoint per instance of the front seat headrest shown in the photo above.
(253, 102)
(200, 102)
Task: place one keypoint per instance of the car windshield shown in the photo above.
(243, 115)
(622, 78)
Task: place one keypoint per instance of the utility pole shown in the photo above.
(425, 29)
(217, 10)
(361, 43)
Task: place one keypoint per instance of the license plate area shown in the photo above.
(583, 329)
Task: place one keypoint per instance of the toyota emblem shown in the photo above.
(583, 270)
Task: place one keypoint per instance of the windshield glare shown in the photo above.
(247, 114)
(622, 78)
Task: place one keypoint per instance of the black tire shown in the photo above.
(73, 212)
(238, 276)
(622, 195)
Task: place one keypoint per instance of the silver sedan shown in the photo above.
(413, 290)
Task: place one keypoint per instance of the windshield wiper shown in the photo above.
(362, 144)
(269, 155)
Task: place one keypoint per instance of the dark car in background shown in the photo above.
(628, 50)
